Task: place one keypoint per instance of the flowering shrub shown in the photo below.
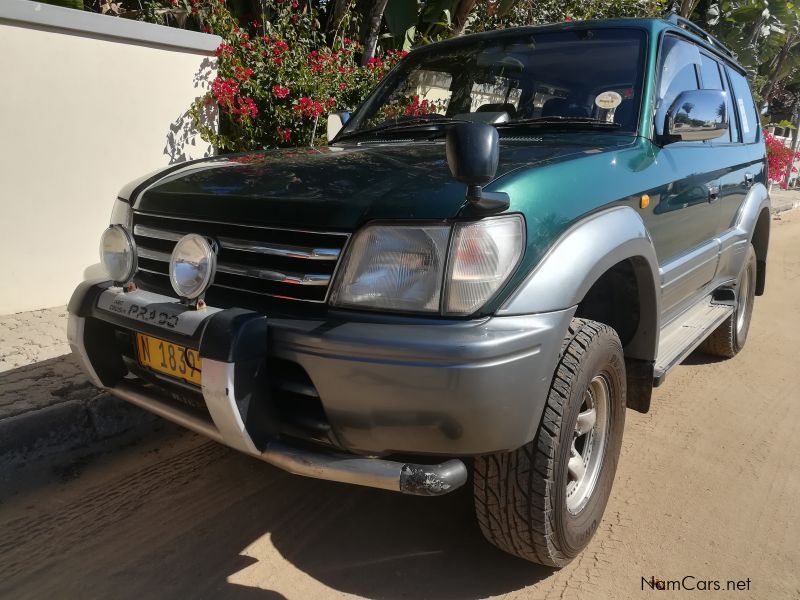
(277, 80)
(780, 159)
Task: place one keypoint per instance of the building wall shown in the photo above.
(88, 102)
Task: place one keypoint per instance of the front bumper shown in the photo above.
(385, 385)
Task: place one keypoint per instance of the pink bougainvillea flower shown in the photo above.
(280, 92)
(308, 108)
(284, 134)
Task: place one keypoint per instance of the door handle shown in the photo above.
(713, 193)
(748, 179)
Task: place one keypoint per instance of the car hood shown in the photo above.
(335, 187)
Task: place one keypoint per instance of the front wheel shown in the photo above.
(544, 501)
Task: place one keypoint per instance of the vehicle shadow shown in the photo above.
(178, 516)
(698, 357)
(385, 545)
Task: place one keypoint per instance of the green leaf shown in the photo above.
(432, 13)
(401, 20)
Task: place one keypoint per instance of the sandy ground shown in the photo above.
(708, 487)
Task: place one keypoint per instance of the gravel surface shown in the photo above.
(706, 487)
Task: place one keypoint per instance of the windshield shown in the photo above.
(581, 77)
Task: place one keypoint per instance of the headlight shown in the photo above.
(118, 253)
(192, 266)
(121, 214)
(395, 268)
(407, 268)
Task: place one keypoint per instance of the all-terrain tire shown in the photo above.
(521, 496)
(729, 338)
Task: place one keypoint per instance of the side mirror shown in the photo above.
(337, 120)
(473, 152)
(698, 115)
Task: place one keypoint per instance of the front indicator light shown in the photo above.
(483, 256)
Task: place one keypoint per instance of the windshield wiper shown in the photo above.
(558, 121)
(401, 126)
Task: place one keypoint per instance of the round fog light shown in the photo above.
(118, 254)
(192, 266)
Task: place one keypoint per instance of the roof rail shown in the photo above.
(680, 21)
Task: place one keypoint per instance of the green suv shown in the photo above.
(514, 238)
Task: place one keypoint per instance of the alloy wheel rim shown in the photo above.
(588, 444)
(744, 299)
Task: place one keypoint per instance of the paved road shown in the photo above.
(784, 199)
(707, 487)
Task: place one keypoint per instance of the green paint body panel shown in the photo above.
(553, 179)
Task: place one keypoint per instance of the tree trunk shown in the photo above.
(768, 90)
(795, 138)
(687, 7)
(374, 18)
(461, 15)
(338, 12)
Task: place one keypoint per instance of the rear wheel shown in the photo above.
(544, 501)
(729, 338)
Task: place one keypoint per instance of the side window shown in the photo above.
(712, 80)
(743, 98)
(732, 120)
(709, 72)
(677, 73)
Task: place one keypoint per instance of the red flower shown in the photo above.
(280, 92)
(294, 4)
(277, 61)
(374, 63)
(567, 18)
(223, 49)
(779, 159)
(347, 41)
(243, 74)
(245, 108)
(419, 108)
(224, 91)
(343, 86)
(308, 108)
(284, 135)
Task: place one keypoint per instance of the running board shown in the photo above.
(687, 332)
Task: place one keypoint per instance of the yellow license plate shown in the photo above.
(168, 358)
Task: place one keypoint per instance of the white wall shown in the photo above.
(87, 103)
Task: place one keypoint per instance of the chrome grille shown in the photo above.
(281, 263)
